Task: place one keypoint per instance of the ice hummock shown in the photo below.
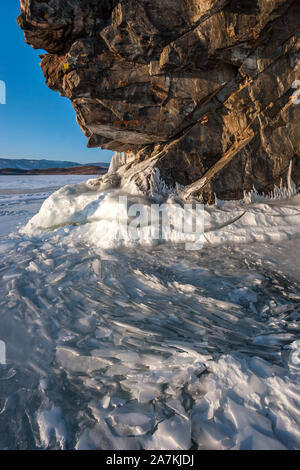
(99, 217)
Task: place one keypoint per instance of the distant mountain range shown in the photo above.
(25, 165)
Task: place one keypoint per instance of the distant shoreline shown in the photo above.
(77, 170)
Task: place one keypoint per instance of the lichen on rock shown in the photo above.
(201, 90)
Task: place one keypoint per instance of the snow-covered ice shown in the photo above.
(22, 196)
(100, 218)
(146, 345)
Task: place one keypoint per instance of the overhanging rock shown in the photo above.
(183, 79)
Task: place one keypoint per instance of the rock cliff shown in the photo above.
(202, 90)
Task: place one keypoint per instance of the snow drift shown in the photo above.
(101, 218)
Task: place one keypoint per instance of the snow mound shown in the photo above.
(102, 218)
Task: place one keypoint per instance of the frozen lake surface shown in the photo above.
(146, 346)
(22, 196)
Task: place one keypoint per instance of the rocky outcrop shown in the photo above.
(202, 90)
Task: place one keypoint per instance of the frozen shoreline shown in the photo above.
(101, 218)
(147, 347)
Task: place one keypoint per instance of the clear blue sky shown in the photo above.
(36, 122)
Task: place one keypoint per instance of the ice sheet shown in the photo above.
(149, 347)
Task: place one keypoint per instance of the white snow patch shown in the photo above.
(52, 427)
(102, 219)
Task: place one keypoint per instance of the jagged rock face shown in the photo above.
(201, 89)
